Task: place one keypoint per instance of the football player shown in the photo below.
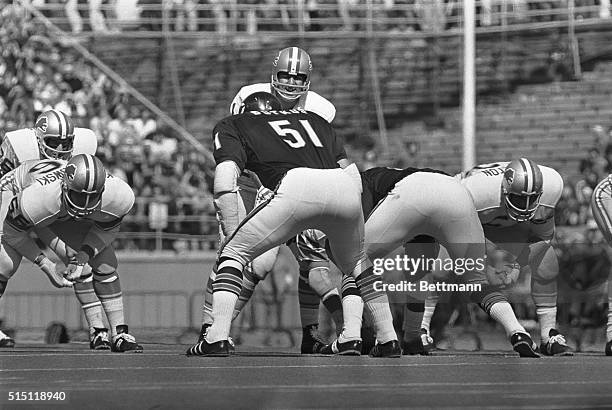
(601, 204)
(515, 203)
(290, 83)
(293, 152)
(82, 205)
(54, 136)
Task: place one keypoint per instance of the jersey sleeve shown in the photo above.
(228, 145)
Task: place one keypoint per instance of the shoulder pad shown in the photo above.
(320, 105)
(553, 187)
(117, 198)
(85, 141)
(24, 144)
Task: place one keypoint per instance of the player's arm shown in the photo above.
(230, 156)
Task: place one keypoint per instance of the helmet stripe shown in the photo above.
(293, 60)
(89, 177)
(63, 125)
(59, 122)
(528, 175)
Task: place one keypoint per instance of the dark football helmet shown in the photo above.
(261, 101)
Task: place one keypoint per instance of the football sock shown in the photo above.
(308, 301)
(547, 317)
(503, 314)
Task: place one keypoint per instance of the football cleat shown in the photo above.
(123, 342)
(99, 339)
(204, 332)
(423, 345)
(203, 348)
(523, 345)
(556, 345)
(311, 341)
(350, 348)
(5, 340)
(390, 349)
(608, 349)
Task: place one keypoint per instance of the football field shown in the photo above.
(163, 377)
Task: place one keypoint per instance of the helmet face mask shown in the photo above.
(291, 73)
(83, 185)
(522, 186)
(54, 131)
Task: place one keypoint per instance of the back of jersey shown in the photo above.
(271, 143)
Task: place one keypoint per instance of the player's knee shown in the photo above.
(105, 273)
(320, 281)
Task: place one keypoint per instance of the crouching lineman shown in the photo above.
(401, 205)
(83, 206)
(54, 136)
(294, 153)
(601, 204)
(416, 203)
(515, 203)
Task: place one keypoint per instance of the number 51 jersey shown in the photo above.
(271, 143)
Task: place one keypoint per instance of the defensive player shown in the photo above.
(54, 136)
(290, 83)
(293, 153)
(83, 206)
(601, 204)
(515, 203)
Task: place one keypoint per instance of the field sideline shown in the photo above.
(163, 377)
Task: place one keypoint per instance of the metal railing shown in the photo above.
(343, 18)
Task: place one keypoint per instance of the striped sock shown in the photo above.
(352, 310)
(226, 288)
(249, 282)
(378, 304)
(208, 298)
(91, 305)
(430, 308)
(108, 290)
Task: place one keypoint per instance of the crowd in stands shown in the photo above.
(166, 173)
(310, 15)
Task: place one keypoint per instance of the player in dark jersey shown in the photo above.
(401, 204)
(294, 153)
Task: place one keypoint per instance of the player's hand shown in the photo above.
(55, 277)
(76, 265)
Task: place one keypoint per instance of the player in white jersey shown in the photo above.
(601, 204)
(55, 137)
(515, 203)
(290, 83)
(83, 206)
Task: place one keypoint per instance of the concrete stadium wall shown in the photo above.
(159, 292)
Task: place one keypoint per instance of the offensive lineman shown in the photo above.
(83, 206)
(290, 83)
(515, 203)
(402, 204)
(294, 153)
(55, 137)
